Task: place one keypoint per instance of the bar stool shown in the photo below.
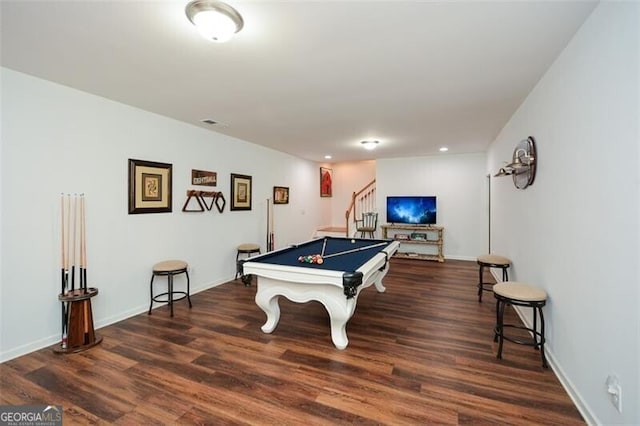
(246, 249)
(491, 261)
(520, 294)
(169, 268)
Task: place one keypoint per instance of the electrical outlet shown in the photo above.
(614, 389)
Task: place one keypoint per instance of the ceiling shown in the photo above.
(309, 78)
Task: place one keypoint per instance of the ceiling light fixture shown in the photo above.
(214, 20)
(444, 149)
(370, 144)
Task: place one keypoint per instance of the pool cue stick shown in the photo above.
(354, 250)
(73, 241)
(63, 270)
(68, 241)
(80, 264)
(271, 227)
(268, 240)
(83, 268)
(83, 245)
(63, 266)
(324, 246)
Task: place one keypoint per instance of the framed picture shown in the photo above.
(149, 187)
(240, 192)
(280, 195)
(326, 179)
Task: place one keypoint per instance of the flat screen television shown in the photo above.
(414, 210)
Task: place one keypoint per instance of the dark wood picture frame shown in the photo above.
(326, 182)
(150, 187)
(240, 192)
(280, 195)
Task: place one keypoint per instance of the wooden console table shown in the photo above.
(432, 234)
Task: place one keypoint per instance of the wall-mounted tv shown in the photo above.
(415, 210)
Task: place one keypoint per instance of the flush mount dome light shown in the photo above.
(214, 20)
(370, 144)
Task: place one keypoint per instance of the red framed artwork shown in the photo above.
(326, 182)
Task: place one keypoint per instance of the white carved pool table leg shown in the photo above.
(268, 302)
(340, 312)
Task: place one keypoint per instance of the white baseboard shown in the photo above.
(453, 257)
(103, 322)
(587, 414)
(29, 347)
(141, 309)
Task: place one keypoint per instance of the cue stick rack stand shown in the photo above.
(79, 321)
(78, 333)
(217, 198)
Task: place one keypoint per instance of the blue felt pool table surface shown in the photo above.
(364, 250)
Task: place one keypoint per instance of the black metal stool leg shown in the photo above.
(237, 271)
(151, 293)
(480, 283)
(170, 295)
(535, 328)
(542, 339)
(188, 289)
(495, 330)
(500, 327)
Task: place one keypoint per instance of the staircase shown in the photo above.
(331, 231)
(361, 202)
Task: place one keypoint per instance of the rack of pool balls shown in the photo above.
(314, 258)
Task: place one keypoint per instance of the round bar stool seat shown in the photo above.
(520, 294)
(245, 249)
(170, 268)
(491, 261)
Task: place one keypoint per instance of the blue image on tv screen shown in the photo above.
(411, 210)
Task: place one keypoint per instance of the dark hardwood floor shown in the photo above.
(420, 353)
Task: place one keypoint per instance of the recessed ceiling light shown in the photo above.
(370, 144)
(327, 157)
(444, 149)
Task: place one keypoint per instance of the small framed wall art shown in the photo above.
(326, 179)
(280, 195)
(240, 192)
(150, 187)
(203, 177)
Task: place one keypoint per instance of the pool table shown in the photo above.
(348, 267)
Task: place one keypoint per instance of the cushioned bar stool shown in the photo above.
(169, 269)
(245, 249)
(491, 261)
(520, 294)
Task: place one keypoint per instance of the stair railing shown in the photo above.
(361, 201)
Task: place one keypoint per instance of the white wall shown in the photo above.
(58, 140)
(575, 231)
(458, 181)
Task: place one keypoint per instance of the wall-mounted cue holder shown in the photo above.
(217, 198)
